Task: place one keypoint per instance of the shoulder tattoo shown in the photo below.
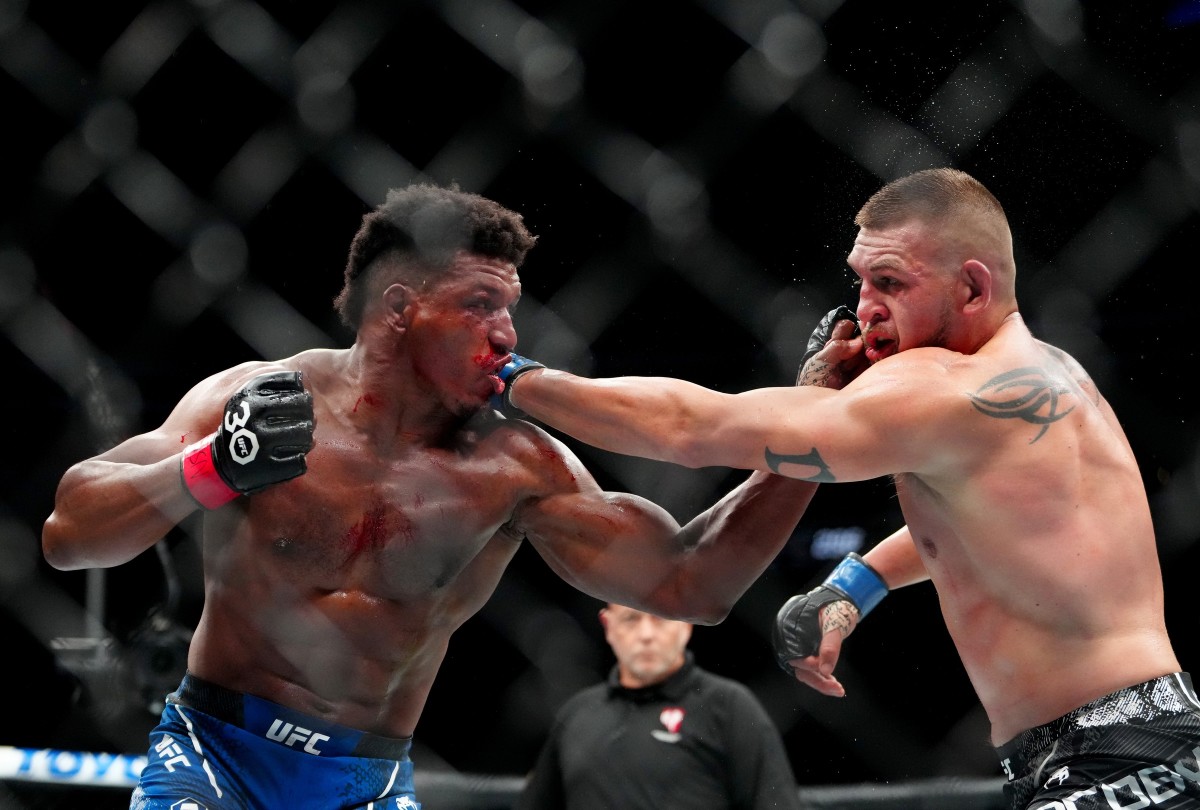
(1029, 394)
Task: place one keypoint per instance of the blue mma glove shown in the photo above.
(508, 373)
(797, 632)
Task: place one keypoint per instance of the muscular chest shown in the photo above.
(926, 519)
(396, 526)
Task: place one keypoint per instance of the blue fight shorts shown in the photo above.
(1138, 747)
(216, 749)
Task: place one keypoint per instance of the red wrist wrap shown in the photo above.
(200, 476)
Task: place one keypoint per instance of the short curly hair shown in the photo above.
(419, 229)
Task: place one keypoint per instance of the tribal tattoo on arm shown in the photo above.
(1032, 394)
(823, 475)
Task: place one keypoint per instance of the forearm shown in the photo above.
(619, 547)
(895, 558)
(651, 417)
(106, 513)
(732, 543)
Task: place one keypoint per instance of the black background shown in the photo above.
(1081, 117)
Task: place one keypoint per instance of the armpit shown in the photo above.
(511, 531)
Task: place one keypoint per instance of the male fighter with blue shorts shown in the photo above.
(360, 504)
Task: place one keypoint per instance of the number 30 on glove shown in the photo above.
(264, 435)
(797, 632)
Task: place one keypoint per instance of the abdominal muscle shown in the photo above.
(344, 656)
(1027, 674)
(1039, 641)
(1055, 603)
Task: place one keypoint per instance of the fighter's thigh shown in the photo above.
(177, 778)
(186, 772)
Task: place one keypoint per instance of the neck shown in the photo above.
(385, 399)
(631, 681)
(976, 340)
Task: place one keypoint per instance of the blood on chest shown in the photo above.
(377, 526)
(417, 518)
(391, 540)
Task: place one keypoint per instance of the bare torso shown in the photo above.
(1040, 544)
(336, 593)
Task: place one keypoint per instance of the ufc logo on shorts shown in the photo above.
(290, 735)
(169, 750)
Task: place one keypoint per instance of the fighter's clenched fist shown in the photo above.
(264, 435)
(833, 355)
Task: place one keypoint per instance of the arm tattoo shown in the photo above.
(1029, 394)
(811, 459)
(816, 372)
(840, 615)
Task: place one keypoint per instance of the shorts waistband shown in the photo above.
(1157, 697)
(278, 723)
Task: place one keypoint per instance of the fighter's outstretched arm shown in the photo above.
(623, 548)
(660, 418)
(890, 418)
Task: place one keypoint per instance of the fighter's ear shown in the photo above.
(975, 284)
(397, 306)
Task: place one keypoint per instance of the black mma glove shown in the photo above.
(820, 335)
(508, 373)
(797, 632)
(266, 431)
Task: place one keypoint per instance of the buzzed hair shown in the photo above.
(930, 195)
(419, 229)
